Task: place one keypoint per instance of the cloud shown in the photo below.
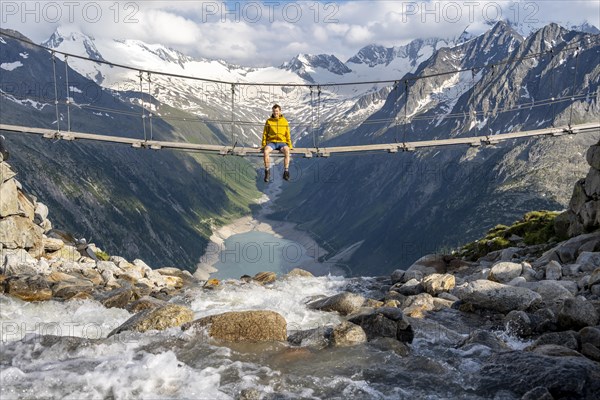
(257, 33)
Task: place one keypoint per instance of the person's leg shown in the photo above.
(266, 151)
(286, 162)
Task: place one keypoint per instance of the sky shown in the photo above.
(262, 33)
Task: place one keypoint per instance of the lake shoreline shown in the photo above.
(259, 223)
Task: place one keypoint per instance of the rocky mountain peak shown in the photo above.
(304, 64)
(60, 36)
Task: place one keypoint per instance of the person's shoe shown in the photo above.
(267, 175)
(286, 175)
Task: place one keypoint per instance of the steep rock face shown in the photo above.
(410, 204)
(583, 214)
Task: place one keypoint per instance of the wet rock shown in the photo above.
(385, 322)
(117, 298)
(397, 276)
(250, 394)
(28, 288)
(563, 377)
(544, 320)
(157, 318)
(555, 350)
(484, 338)
(67, 291)
(416, 306)
(243, 326)
(166, 271)
(373, 303)
(577, 313)
(553, 271)
(568, 339)
(435, 284)
(496, 296)
(265, 277)
(504, 272)
(391, 344)
(518, 323)
(345, 303)
(316, 337)
(538, 393)
(299, 272)
(347, 334)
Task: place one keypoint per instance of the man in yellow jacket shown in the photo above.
(276, 136)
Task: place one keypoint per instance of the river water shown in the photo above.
(79, 362)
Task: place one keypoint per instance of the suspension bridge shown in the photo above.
(55, 133)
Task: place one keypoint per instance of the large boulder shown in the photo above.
(345, 303)
(157, 318)
(435, 284)
(243, 326)
(385, 322)
(299, 273)
(516, 372)
(28, 288)
(496, 296)
(430, 264)
(577, 313)
(20, 232)
(347, 334)
(504, 272)
(18, 262)
(10, 199)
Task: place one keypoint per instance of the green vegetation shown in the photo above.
(536, 227)
(102, 256)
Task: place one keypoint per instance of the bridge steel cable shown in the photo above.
(68, 93)
(55, 92)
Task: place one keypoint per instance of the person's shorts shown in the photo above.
(277, 145)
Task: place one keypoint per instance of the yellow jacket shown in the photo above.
(277, 130)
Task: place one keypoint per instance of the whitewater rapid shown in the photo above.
(60, 350)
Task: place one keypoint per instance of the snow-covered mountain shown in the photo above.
(338, 108)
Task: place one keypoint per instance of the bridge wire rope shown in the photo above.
(405, 126)
(141, 75)
(552, 88)
(68, 101)
(233, 141)
(573, 87)
(150, 102)
(318, 115)
(55, 92)
(312, 116)
(396, 121)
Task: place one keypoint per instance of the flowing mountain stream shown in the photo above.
(60, 350)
